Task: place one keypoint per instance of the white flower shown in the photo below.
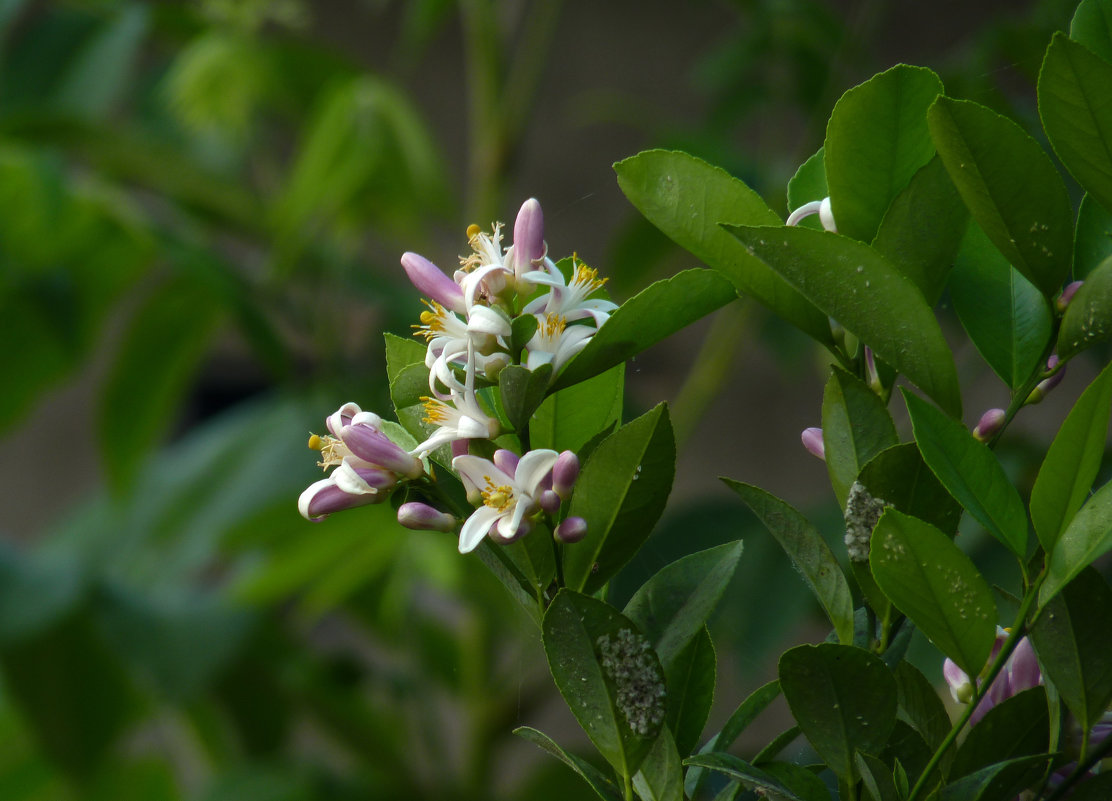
(569, 300)
(450, 340)
(555, 342)
(509, 500)
(458, 417)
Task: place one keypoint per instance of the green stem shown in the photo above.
(1017, 631)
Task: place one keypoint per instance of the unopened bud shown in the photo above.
(1047, 384)
(571, 529)
(506, 461)
(872, 377)
(549, 501)
(1067, 295)
(812, 441)
(528, 237)
(565, 471)
(432, 283)
(422, 517)
(989, 424)
(826, 215)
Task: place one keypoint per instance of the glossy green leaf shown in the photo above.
(1000, 782)
(922, 229)
(673, 606)
(843, 698)
(1092, 239)
(401, 352)
(594, 655)
(1087, 537)
(1010, 186)
(919, 704)
(1076, 114)
(847, 280)
(750, 777)
(856, 426)
(1073, 639)
(522, 328)
(661, 775)
(808, 552)
(408, 388)
(568, 419)
(1006, 316)
(931, 581)
(1088, 318)
(598, 781)
(876, 140)
(1072, 462)
(1092, 26)
(1015, 727)
(522, 391)
(621, 493)
(691, 680)
(807, 185)
(687, 199)
(971, 473)
(901, 478)
(161, 350)
(657, 312)
(746, 713)
(509, 574)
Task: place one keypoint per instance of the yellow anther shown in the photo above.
(497, 497)
(315, 442)
(473, 231)
(435, 412)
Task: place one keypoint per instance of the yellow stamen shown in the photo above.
(473, 231)
(332, 450)
(432, 320)
(435, 411)
(315, 442)
(497, 497)
(552, 325)
(587, 277)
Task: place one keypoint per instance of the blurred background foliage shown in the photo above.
(201, 209)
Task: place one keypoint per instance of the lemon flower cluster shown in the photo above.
(468, 325)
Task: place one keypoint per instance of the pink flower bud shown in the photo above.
(989, 424)
(422, 517)
(1047, 384)
(571, 529)
(565, 472)
(528, 237)
(506, 461)
(432, 283)
(1067, 295)
(812, 441)
(549, 501)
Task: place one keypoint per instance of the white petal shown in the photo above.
(347, 480)
(476, 527)
(533, 468)
(308, 495)
(477, 470)
(485, 320)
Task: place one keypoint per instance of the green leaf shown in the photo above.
(746, 713)
(998, 782)
(687, 199)
(570, 418)
(971, 472)
(876, 777)
(800, 780)
(661, 775)
(807, 185)
(843, 698)
(1006, 316)
(161, 350)
(901, 478)
(876, 140)
(1092, 26)
(1016, 727)
(1093, 788)
(808, 552)
(604, 788)
(1072, 462)
(691, 691)
(98, 74)
(1073, 639)
(1092, 239)
(658, 311)
(35, 593)
(1009, 185)
(401, 352)
(1073, 105)
(1088, 318)
(1087, 537)
(922, 229)
(605, 677)
(847, 279)
(499, 563)
(931, 581)
(522, 391)
(621, 493)
(919, 704)
(856, 426)
(751, 778)
(522, 329)
(407, 389)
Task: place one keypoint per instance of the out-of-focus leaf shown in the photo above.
(1073, 105)
(1071, 464)
(97, 75)
(657, 312)
(931, 581)
(34, 593)
(688, 199)
(809, 553)
(845, 279)
(570, 418)
(160, 352)
(876, 140)
(1010, 186)
(843, 698)
(621, 493)
(216, 81)
(971, 473)
(856, 426)
(750, 777)
(1088, 318)
(595, 778)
